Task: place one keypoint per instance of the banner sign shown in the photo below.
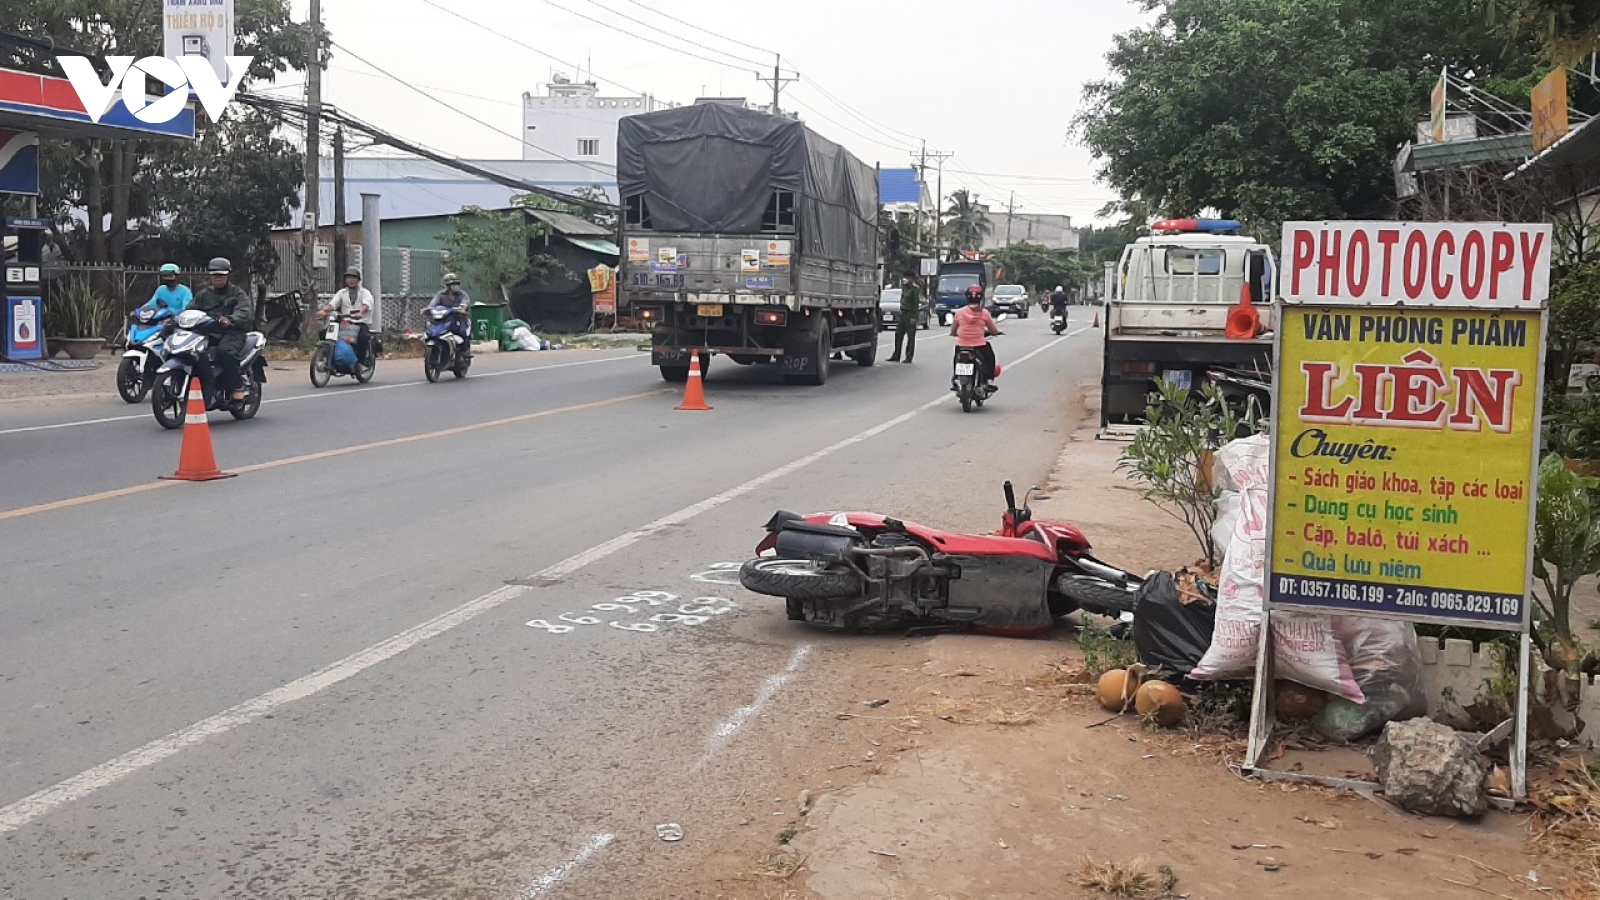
(1403, 470)
(1478, 265)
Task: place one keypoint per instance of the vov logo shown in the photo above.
(181, 75)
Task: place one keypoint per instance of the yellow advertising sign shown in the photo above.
(1441, 94)
(1404, 457)
(1550, 110)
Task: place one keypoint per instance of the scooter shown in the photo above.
(136, 374)
(444, 348)
(968, 387)
(336, 355)
(1058, 321)
(869, 572)
(189, 351)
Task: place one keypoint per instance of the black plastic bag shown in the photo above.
(1170, 636)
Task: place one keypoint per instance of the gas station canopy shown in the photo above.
(50, 106)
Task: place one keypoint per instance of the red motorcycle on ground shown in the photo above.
(870, 572)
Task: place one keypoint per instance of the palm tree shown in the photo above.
(965, 223)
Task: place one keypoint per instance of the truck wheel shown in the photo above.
(675, 374)
(867, 355)
(822, 347)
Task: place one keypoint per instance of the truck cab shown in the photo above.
(950, 292)
(1167, 317)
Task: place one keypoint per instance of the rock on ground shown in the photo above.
(1429, 768)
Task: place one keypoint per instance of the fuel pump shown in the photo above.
(22, 289)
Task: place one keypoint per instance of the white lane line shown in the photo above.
(15, 815)
(346, 392)
(555, 876)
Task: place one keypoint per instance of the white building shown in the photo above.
(1053, 231)
(572, 121)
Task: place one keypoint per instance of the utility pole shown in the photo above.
(313, 173)
(938, 204)
(341, 259)
(777, 80)
(922, 168)
(1011, 207)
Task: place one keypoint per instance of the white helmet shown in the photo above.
(1058, 288)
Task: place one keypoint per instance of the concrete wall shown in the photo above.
(557, 124)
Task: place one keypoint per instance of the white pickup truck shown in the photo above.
(1167, 315)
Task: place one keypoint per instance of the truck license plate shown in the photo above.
(1182, 378)
(709, 310)
(964, 368)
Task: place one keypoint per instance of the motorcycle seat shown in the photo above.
(788, 521)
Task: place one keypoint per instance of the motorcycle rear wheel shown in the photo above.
(798, 579)
(251, 404)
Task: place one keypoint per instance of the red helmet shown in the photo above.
(975, 292)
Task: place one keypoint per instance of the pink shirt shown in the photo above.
(973, 327)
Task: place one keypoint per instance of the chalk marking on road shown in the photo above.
(764, 694)
(558, 874)
(70, 502)
(347, 392)
(15, 815)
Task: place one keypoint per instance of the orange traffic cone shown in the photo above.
(1243, 322)
(1096, 319)
(694, 391)
(197, 461)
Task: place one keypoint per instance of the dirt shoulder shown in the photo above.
(970, 767)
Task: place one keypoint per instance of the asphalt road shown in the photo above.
(372, 665)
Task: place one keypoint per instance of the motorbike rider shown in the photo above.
(355, 303)
(972, 325)
(234, 311)
(170, 293)
(453, 297)
(1058, 300)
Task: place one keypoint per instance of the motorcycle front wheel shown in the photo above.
(169, 400)
(1097, 595)
(430, 363)
(321, 365)
(799, 579)
(130, 381)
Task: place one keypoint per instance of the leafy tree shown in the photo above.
(1567, 31)
(1039, 267)
(1269, 110)
(902, 248)
(965, 223)
(151, 183)
(494, 247)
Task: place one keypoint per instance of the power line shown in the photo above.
(524, 44)
(622, 15)
(723, 37)
(604, 24)
(467, 115)
(915, 139)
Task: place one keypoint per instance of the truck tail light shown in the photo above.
(771, 317)
(1138, 368)
(649, 315)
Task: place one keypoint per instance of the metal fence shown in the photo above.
(409, 275)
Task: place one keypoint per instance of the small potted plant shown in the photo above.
(78, 318)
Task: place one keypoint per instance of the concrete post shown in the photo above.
(372, 254)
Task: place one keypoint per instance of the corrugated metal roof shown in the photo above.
(602, 247)
(569, 225)
(411, 188)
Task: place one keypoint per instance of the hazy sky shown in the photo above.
(995, 82)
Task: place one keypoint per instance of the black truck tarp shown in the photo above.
(712, 168)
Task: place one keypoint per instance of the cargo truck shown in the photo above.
(1168, 318)
(955, 276)
(748, 236)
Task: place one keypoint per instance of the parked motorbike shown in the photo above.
(136, 374)
(869, 572)
(190, 350)
(328, 360)
(444, 349)
(1058, 322)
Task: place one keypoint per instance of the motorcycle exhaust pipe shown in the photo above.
(1109, 573)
